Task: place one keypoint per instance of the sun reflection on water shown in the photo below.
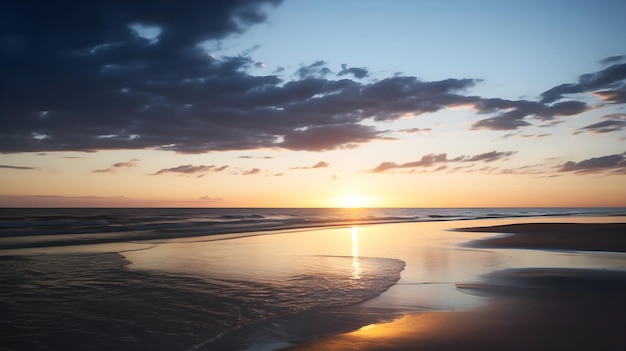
(356, 265)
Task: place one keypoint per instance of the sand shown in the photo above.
(559, 236)
(528, 308)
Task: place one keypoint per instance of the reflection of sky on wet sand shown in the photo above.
(356, 265)
(434, 260)
(399, 334)
(433, 265)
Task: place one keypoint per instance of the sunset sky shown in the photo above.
(313, 103)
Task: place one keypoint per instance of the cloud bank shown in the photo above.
(140, 77)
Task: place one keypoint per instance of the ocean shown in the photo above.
(214, 279)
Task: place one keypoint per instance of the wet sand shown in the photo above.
(558, 236)
(528, 308)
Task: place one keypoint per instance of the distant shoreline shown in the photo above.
(41, 228)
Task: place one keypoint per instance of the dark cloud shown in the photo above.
(395, 97)
(190, 169)
(606, 126)
(317, 69)
(16, 167)
(512, 113)
(357, 72)
(609, 84)
(609, 81)
(129, 76)
(329, 137)
(612, 163)
(211, 105)
(441, 159)
(116, 166)
(107, 75)
(613, 59)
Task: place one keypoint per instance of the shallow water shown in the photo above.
(259, 291)
(43, 227)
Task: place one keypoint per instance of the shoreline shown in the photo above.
(44, 238)
(527, 308)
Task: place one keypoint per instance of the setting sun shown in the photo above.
(352, 201)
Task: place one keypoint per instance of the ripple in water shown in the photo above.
(93, 301)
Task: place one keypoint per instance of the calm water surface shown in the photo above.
(262, 290)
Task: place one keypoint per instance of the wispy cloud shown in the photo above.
(613, 60)
(256, 157)
(320, 164)
(488, 156)
(17, 167)
(252, 171)
(519, 134)
(117, 166)
(415, 130)
(614, 123)
(438, 159)
(191, 169)
(615, 164)
(535, 136)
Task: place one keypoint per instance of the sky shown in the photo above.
(321, 103)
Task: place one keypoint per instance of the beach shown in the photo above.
(527, 309)
(431, 285)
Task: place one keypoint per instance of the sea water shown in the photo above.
(178, 279)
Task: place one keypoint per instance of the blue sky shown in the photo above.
(313, 103)
(520, 48)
